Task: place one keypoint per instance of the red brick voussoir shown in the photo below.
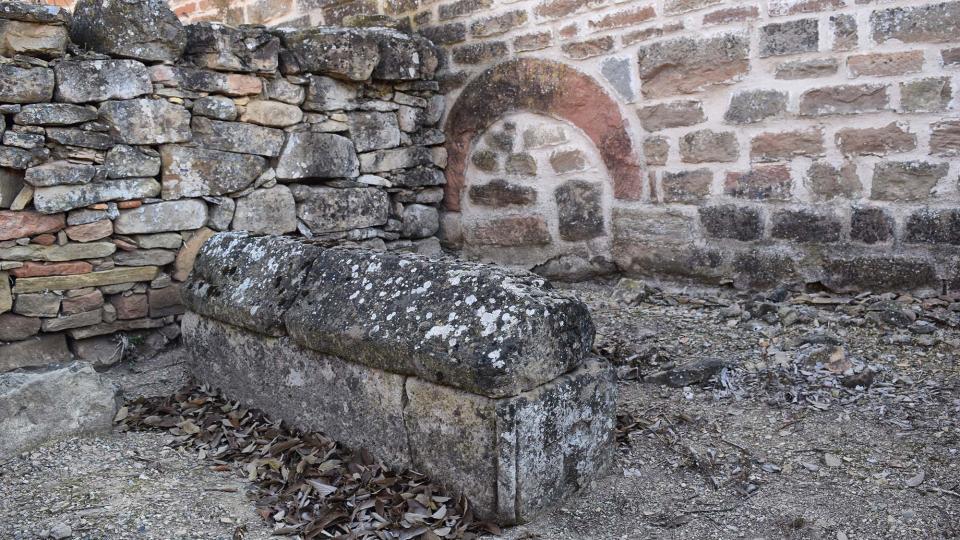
(545, 87)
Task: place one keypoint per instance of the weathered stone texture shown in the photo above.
(709, 146)
(850, 99)
(88, 81)
(579, 210)
(732, 221)
(196, 172)
(906, 180)
(687, 65)
(671, 114)
(146, 30)
(325, 209)
(266, 211)
(55, 402)
(146, 121)
(317, 155)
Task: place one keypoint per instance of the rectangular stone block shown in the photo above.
(36, 351)
(80, 281)
(512, 457)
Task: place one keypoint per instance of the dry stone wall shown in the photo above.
(129, 139)
(771, 140)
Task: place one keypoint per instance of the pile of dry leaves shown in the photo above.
(305, 483)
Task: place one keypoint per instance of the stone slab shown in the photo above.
(80, 281)
(248, 281)
(35, 351)
(56, 402)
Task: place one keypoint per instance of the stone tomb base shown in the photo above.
(513, 457)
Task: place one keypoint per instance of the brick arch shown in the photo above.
(546, 87)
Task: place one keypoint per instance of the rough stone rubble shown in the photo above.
(129, 139)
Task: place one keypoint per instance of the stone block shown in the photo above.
(33, 269)
(742, 223)
(146, 121)
(349, 53)
(24, 223)
(691, 186)
(827, 182)
(56, 402)
(327, 94)
(792, 37)
(579, 210)
(33, 352)
(671, 114)
(144, 257)
(889, 139)
(237, 137)
(762, 269)
(374, 130)
(187, 255)
(510, 232)
(806, 69)
(419, 221)
(15, 327)
(266, 211)
(752, 106)
(217, 107)
(705, 146)
(687, 65)
(161, 217)
(271, 113)
(931, 23)
(515, 457)
(224, 48)
(933, 226)
(25, 85)
(784, 146)
(878, 273)
(297, 385)
(932, 94)
(107, 328)
(498, 193)
(221, 285)
(57, 173)
(641, 225)
(124, 161)
(54, 114)
(885, 64)
(92, 279)
(398, 158)
(133, 306)
(51, 200)
(844, 29)
(165, 302)
(32, 39)
(769, 182)
(66, 322)
(871, 225)
(522, 164)
(146, 30)
(86, 81)
(56, 253)
(101, 351)
(849, 99)
(196, 172)
(906, 180)
(79, 304)
(325, 209)
(806, 225)
(317, 155)
(656, 150)
(944, 138)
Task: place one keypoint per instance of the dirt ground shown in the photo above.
(804, 415)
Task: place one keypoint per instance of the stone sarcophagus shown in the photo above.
(478, 377)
